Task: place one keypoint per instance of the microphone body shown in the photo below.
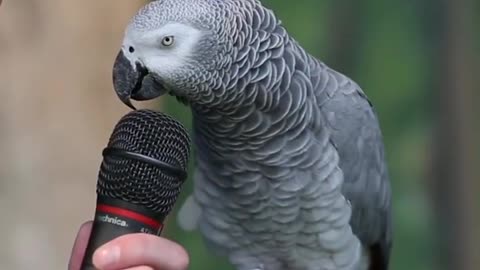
(114, 218)
(140, 177)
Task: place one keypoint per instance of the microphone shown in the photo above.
(143, 169)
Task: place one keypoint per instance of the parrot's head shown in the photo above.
(180, 47)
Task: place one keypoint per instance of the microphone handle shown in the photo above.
(114, 218)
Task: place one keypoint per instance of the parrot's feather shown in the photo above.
(189, 214)
(356, 134)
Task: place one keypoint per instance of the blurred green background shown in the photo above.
(394, 50)
(417, 60)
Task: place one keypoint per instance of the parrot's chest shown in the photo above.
(274, 201)
(277, 216)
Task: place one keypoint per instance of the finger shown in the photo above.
(141, 249)
(143, 267)
(79, 246)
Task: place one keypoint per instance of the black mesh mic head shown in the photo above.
(145, 161)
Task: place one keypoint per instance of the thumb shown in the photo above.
(141, 249)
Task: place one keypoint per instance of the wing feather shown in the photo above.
(357, 136)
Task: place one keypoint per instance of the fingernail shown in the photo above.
(106, 256)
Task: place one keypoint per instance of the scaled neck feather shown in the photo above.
(270, 80)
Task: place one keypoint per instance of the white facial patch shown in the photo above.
(158, 58)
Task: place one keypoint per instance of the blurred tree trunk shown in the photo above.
(345, 28)
(454, 172)
(58, 109)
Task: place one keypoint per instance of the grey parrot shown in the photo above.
(290, 166)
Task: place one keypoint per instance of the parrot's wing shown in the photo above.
(356, 135)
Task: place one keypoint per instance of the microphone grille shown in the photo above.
(155, 135)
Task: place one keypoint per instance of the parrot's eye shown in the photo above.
(131, 49)
(168, 41)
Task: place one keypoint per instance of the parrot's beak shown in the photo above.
(134, 81)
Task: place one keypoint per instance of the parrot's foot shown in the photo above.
(257, 268)
(245, 261)
(243, 267)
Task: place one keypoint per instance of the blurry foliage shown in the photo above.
(393, 65)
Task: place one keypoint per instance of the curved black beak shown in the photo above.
(134, 82)
(126, 78)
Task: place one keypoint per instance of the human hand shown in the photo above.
(130, 252)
